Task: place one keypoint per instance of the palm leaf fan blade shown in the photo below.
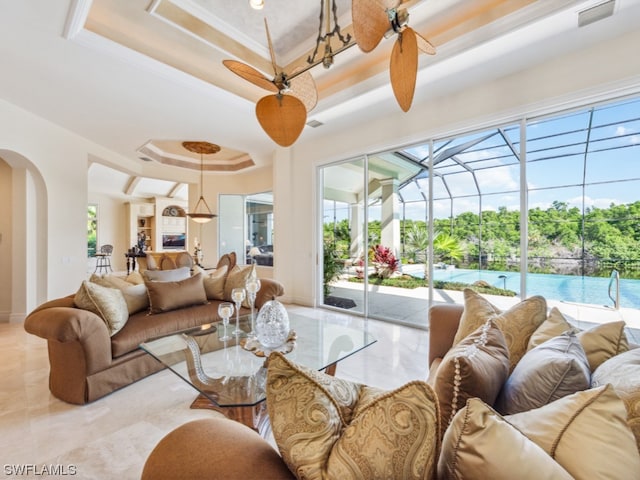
(404, 68)
(370, 22)
(282, 117)
(303, 87)
(250, 74)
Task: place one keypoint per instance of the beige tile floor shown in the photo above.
(111, 438)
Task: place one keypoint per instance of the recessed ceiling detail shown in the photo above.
(172, 152)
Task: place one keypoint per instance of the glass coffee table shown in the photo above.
(231, 379)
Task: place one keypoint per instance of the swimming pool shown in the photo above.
(569, 288)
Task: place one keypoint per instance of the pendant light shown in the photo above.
(201, 213)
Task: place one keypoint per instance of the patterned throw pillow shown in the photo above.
(326, 427)
(107, 303)
(623, 373)
(517, 324)
(552, 370)
(554, 325)
(475, 367)
(135, 295)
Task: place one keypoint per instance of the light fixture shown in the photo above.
(328, 54)
(201, 213)
(256, 4)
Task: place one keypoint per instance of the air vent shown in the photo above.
(598, 12)
(314, 123)
(145, 159)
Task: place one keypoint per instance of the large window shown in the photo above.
(547, 206)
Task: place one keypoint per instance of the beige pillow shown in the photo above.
(603, 342)
(481, 444)
(517, 324)
(135, 278)
(476, 367)
(553, 326)
(214, 283)
(586, 433)
(552, 370)
(107, 303)
(237, 278)
(623, 373)
(326, 427)
(165, 296)
(135, 295)
(174, 275)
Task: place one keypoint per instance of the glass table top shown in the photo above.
(229, 375)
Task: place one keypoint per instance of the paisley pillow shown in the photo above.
(326, 427)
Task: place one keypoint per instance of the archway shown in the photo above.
(25, 257)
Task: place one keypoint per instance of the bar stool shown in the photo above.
(103, 259)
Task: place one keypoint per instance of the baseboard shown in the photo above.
(8, 317)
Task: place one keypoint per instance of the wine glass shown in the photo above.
(225, 310)
(252, 286)
(238, 296)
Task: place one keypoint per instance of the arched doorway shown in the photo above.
(23, 241)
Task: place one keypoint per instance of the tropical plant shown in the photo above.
(384, 261)
(332, 267)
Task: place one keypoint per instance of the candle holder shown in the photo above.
(252, 287)
(238, 295)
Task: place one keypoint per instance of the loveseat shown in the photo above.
(94, 351)
(325, 427)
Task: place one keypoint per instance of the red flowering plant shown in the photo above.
(384, 261)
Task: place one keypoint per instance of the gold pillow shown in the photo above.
(517, 324)
(214, 283)
(135, 277)
(481, 444)
(237, 278)
(623, 373)
(586, 433)
(135, 295)
(165, 296)
(326, 427)
(553, 326)
(107, 303)
(604, 341)
(476, 367)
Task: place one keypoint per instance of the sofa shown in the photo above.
(325, 427)
(93, 336)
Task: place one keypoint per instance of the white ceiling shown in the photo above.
(57, 67)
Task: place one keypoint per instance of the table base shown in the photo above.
(255, 417)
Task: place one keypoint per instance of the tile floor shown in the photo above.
(111, 437)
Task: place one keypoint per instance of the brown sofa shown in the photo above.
(230, 439)
(86, 363)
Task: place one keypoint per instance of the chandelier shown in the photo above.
(201, 212)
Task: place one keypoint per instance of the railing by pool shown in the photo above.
(615, 278)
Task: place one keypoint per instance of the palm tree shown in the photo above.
(447, 247)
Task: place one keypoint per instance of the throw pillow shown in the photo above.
(481, 444)
(237, 278)
(214, 283)
(623, 373)
(586, 433)
(475, 367)
(325, 428)
(174, 275)
(165, 296)
(555, 369)
(135, 278)
(517, 324)
(554, 325)
(135, 295)
(603, 342)
(107, 303)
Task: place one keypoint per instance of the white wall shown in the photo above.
(596, 73)
(5, 240)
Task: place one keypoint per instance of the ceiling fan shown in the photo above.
(375, 19)
(283, 114)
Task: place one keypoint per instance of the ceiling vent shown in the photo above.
(145, 159)
(598, 12)
(314, 123)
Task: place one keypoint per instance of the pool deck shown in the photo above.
(410, 306)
